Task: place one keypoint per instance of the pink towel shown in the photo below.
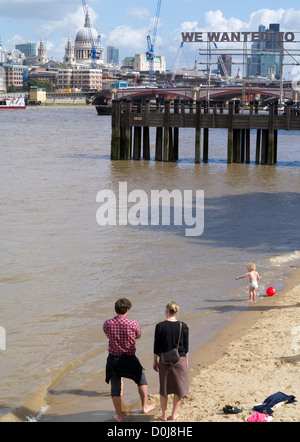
(258, 417)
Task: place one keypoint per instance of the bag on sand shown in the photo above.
(171, 357)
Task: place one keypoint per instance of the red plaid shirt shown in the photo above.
(122, 333)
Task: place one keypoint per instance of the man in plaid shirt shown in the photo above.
(122, 362)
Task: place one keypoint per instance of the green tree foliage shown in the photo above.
(38, 83)
(11, 89)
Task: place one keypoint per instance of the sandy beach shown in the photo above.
(257, 355)
(254, 357)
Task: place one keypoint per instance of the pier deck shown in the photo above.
(131, 122)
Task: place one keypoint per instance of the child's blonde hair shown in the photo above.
(251, 266)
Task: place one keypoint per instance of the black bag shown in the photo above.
(171, 357)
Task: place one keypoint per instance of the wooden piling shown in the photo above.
(247, 146)
(236, 137)
(171, 144)
(264, 146)
(215, 109)
(146, 132)
(131, 123)
(137, 143)
(137, 137)
(258, 143)
(275, 138)
(271, 139)
(176, 133)
(159, 144)
(230, 133)
(127, 137)
(243, 145)
(205, 135)
(198, 133)
(166, 146)
(116, 130)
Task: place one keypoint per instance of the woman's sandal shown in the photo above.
(228, 409)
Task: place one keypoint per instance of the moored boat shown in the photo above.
(7, 102)
(103, 109)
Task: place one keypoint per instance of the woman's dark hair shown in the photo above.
(122, 305)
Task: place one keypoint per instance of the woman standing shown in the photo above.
(172, 379)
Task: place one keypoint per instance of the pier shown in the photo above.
(131, 122)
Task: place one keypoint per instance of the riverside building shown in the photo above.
(2, 79)
(14, 74)
(266, 57)
(139, 63)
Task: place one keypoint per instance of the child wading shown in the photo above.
(253, 280)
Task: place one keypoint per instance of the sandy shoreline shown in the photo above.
(257, 355)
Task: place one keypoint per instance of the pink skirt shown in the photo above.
(174, 379)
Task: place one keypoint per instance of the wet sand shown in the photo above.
(255, 356)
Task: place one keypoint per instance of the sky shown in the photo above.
(125, 25)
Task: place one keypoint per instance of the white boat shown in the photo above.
(12, 102)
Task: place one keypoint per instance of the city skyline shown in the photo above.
(126, 26)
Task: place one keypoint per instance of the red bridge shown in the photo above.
(195, 93)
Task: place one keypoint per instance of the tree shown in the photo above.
(11, 89)
(38, 83)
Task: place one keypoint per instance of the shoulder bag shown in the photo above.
(171, 357)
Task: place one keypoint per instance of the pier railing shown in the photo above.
(131, 122)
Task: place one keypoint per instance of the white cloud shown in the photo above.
(216, 21)
(36, 9)
(127, 37)
(16, 39)
(72, 21)
(139, 13)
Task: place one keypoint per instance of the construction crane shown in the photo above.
(221, 61)
(96, 44)
(151, 37)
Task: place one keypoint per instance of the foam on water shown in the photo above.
(287, 258)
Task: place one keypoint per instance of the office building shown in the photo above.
(112, 55)
(14, 74)
(28, 49)
(266, 56)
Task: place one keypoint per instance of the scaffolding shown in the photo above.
(247, 55)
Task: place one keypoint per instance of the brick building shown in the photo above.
(14, 74)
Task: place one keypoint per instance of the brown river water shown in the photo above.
(61, 272)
